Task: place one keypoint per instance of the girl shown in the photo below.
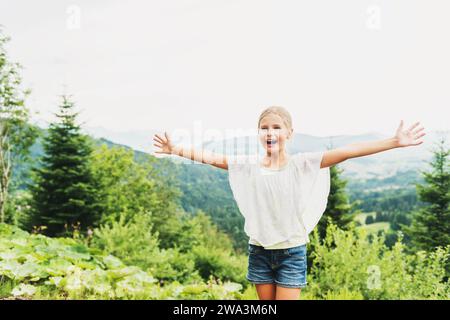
(283, 196)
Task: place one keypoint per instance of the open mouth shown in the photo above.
(271, 142)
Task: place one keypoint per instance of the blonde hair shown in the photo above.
(282, 112)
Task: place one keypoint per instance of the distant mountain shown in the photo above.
(141, 140)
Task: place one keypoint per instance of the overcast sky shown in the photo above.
(339, 67)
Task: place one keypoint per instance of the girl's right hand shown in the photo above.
(164, 144)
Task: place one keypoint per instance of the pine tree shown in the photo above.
(430, 226)
(339, 211)
(64, 191)
(369, 219)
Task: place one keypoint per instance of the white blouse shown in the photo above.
(280, 206)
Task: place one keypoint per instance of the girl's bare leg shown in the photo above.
(287, 293)
(266, 291)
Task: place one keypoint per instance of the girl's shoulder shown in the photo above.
(241, 162)
(242, 159)
(307, 161)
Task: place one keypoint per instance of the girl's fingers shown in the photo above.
(158, 140)
(160, 137)
(413, 126)
(157, 145)
(418, 136)
(418, 130)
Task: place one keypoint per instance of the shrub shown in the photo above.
(134, 243)
(350, 261)
(220, 264)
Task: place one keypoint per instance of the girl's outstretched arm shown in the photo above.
(402, 138)
(166, 146)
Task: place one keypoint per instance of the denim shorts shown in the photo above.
(284, 267)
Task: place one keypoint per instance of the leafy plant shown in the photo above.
(36, 266)
(134, 243)
(352, 262)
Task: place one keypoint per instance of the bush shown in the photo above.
(173, 265)
(131, 241)
(134, 243)
(350, 261)
(17, 208)
(220, 264)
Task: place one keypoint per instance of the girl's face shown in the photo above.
(273, 133)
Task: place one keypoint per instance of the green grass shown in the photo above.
(361, 218)
(375, 227)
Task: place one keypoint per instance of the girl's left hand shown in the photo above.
(409, 137)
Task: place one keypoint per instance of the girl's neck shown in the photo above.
(275, 159)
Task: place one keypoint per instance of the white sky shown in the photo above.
(339, 67)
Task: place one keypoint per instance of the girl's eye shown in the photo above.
(265, 129)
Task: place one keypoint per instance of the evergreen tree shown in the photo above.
(430, 226)
(64, 191)
(339, 211)
(379, 217)
(369, 219)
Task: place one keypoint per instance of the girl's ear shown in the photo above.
(291, 133)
